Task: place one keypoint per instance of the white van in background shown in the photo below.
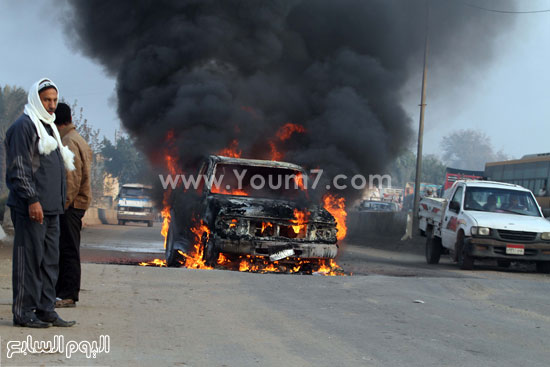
(135, 204)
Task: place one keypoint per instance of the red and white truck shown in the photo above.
(485, 220)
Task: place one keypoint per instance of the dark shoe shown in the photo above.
(34, 323)
(65, 303)
(59, 322)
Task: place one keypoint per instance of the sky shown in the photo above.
(508, 99)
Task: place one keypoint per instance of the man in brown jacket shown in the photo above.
(79, 196)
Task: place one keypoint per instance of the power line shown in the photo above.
(505, 11)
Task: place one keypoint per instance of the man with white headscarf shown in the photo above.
(35, 175)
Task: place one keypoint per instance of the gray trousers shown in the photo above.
(35, 265)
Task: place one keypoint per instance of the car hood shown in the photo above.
(512, 222)
(242, 206)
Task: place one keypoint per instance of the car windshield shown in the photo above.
(134, 192)
(258, 181)
(488, 199)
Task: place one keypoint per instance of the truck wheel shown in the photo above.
(465, 261)
(173, 257)
(210, 254)
(433, 247)
(543, 267)
(504, 263)
(150, 223)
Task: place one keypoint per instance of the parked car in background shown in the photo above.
(135, 204)
(377, 206)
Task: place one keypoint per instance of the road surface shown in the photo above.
(394, 311)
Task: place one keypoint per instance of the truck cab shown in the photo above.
(482, 219)
(135, 204)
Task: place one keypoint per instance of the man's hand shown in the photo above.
(35, 212)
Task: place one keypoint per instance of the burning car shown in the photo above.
(249, 207)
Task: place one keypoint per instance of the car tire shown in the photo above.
(173, 257)
(503, 263)
(543, 267)
(433, 247)
(209, 254)
(465, 260)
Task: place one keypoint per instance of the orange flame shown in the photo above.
(221, 190)
(266, 225)
(301, 221)
(171, 164)
(155, 262)
(337, 207)
(232, 151)
(275, 154)
(299, 179)
(286, 131)
(195, 260)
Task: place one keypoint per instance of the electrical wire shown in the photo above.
(505, 11)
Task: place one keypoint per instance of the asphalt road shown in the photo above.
(394, 311)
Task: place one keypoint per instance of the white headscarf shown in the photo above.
(36, 111)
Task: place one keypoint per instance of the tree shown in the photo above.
(469, 149)
(403, 169)
(124, 161)
(91, 136)
(12, 102)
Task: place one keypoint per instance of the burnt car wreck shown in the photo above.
(240, 217)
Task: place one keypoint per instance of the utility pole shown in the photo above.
(421, 124)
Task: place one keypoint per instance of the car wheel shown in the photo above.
(433, 247)
(173, 257)
(543, 267)
(210, 254)
(150, 223)
(465, 260)
(504, 263)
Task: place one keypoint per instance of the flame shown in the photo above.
(299, 180)
(195, 260)
(337, 207)
(171, 164)
(232, 151)
(266, 225)
(220, 190)
(286, 131)
(155, 262)
(275, 154)
(301, 221)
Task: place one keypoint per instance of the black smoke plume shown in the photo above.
(215, 71)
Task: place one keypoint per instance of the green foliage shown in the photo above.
(469, 149)
(403, 169)
(12, 102)
(124, 161)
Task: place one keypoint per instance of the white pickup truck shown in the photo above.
(483, 219)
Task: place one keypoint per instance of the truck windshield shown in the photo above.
(257, 181)
(135, 192)
(497, 200)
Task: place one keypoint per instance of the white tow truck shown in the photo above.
(483, 219)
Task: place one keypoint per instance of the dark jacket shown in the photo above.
(31, 176)
(79, 186)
